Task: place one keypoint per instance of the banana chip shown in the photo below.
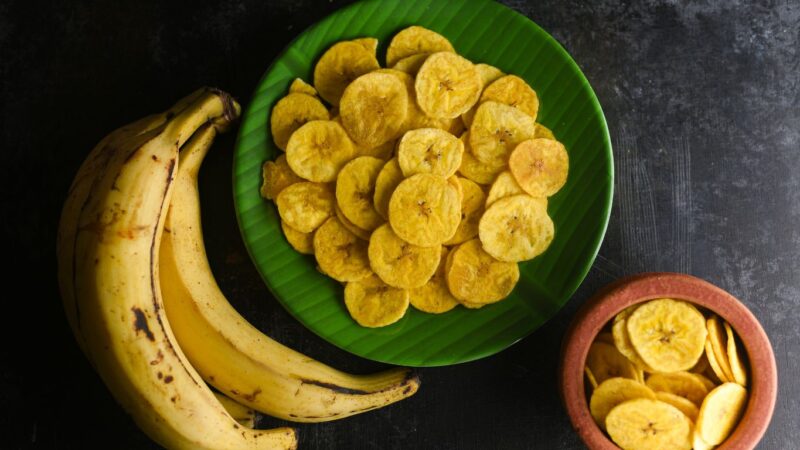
(411, 64)
(720, 412)
(496, 130)
(359, 232)
(513, 91)
(717, 338)
(542, 132)
(302, 242)
(305, 206)
(383, 152)
(706, 382)
(429, 150)
(701, 366)
(372, 303)
(623, 343)
(434, 297)
(447, 85)
(292, 112)
(644, 424)
(737, 368)
(475, 170)
(424, 210)
(516, 229)
(487, 74)
(683, 404)
(318, 150)
(605, 362)
(667, 334)
(540, 166)
(475, 277)
(398, 263)
(716, 368)
(506, 186)
(453, 181)
(611, 393)
(340, 254)
(698, 443)
(355, 189)
(374, 108)
(413, 41)
(388, 179)
(370, 44)
(683, 384)
(277, 176)
(339, 66)
(299, 86)
(472, 202)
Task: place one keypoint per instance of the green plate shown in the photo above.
(482, 31)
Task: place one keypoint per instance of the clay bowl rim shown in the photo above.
(613, 298)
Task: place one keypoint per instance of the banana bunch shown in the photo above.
(145, 309)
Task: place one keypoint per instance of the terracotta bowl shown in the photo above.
(610, 300)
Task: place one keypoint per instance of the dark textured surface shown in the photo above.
(703, 103)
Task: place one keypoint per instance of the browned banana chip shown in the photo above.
(305, 206)
(411, 64)
(292, 112)
(505, 186)
(472, 202)
(513, 91)
(496, 131)
(374, 108)
(277, 176)
(340, 254)
(605, 362)
(474, 276)
(429, 150)
(318, 150)
(302, 242)
(339, 66)
(516, 229)
(447, 85)
(683, 384)
(542, 132)
(361, 233)
(415, 40)
(388, 179)
(645, 424)
(355, 189)
(540, 166)
(611, 393)
(475, 170)
(488, 74)
(299, 86)
(398, 263)
(372, 303)
(424, 210)
(434, 297)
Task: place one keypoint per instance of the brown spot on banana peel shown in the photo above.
(140, 323)
(410, 379)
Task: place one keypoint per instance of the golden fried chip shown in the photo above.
(318, 150)
(605, 362)
(388, 179)
(706, 382)
(355, 188)
(475, 170)
(374, 108)
(506, 186)
(359, 232)
(372, 303)
(342, 63)
(299, 86)
(434, 297)
(683, 404)
(611, 393)
(305, 206)
(472, 202)
(384, 151)
(453, 181)
(516, 228)
(277, 176)
(619, 331)
(411, 64)
(369, 43)
(698, 443)
(429, 150)
(292, 112)
(496, 131)
(683, 384)
(477, 278)
(644, 424)
(340, 254)
(447, 85)
(414, 40)
(717, 338)
(540, 166)
(720, 412)
(716, 369)
(667, 334)
(542, 132)
(737, 368)
(513, 91)
(398, 263)
(424, 210)
(302, 242)
(487, 74)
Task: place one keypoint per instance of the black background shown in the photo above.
(702, 100)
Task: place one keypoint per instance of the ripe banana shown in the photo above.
(108, 247)
(240, 413)
(234, 356)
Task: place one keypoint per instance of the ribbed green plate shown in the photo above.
(482, 31)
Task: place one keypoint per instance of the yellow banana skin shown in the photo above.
(109, 238)
(234, 356)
